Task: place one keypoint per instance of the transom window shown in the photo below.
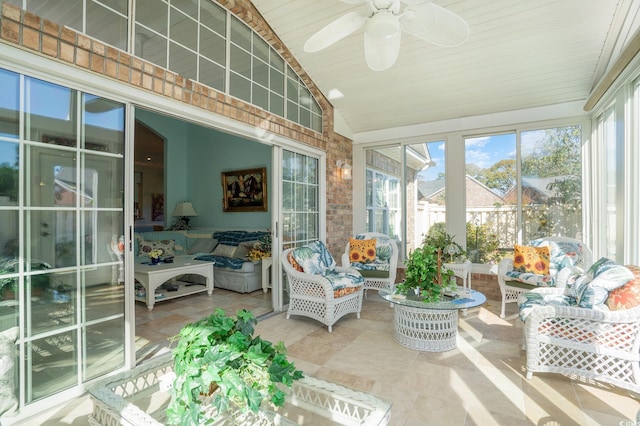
(199, 40)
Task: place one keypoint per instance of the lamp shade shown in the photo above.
(184, 209)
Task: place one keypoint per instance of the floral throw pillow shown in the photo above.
(534, 260)
(362, 251)
(627, 296)
(167, 247)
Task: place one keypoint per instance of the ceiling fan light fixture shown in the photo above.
(384, 25)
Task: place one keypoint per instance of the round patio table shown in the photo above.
(430, 327)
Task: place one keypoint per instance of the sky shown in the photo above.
(482, 151)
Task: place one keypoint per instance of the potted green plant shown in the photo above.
(425, 275)
(439, 238)
(220, 366)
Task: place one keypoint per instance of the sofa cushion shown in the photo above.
(534, 260)
(202, 245)
(224, 250)
(166, 246)
(362, 251)
(627, 296)
(243, 249)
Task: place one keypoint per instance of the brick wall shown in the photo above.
(27, 31)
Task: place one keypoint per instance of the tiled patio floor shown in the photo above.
(480, 383)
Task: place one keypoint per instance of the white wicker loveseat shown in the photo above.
(585, 342)
(325, 294)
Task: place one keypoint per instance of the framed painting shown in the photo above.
(245, 190)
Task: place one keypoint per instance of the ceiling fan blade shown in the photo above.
(335, 31)
(381, 50)
(435, 24)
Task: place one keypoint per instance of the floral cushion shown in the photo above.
(295, 265)
(383, 254)
(342, 280)
(167, 246)
(534, 260)
(627, 296)
(314, 258)
(362, 251)
(602, 277)
(538, 280)
(533, 299)
(561, 253)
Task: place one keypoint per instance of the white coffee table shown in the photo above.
(431, 327)
(153, 276)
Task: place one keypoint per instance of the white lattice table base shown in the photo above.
(432, 330)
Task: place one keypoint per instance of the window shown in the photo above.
(192, 38)
(522, 188)
(383, 203)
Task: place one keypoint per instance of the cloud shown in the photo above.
(479, 142)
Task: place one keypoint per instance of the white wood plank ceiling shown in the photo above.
(520, 54)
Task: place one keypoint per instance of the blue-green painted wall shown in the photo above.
(194, 158)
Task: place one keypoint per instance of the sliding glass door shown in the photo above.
(62, 201)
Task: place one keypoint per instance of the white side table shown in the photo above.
(266, 273)
(462, 270)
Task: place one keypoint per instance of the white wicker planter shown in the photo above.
(134, 398)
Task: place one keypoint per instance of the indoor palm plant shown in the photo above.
(219, 366)
(425, 274)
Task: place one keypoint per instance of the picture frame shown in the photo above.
(245, 190)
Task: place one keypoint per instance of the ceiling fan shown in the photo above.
(384, 22)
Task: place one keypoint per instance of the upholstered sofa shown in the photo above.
(229, 249)
(589, 327)
(233, 270)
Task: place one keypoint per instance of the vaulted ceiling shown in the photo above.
(520, 54)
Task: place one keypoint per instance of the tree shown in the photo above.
(500, 176)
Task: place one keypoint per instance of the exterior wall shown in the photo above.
(29, 32)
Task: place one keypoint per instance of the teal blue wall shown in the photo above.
(194, 158)
(210, 153)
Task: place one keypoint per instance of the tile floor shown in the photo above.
(480, 383)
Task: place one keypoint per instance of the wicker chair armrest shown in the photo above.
(504, 266)
(317, 280)
(575, 313)
(345, 258)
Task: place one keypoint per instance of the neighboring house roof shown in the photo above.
(534, 188)
(478, 194)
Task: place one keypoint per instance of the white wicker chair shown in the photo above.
(573, 341)
(313, 296)
(511, 290)
(377, 283)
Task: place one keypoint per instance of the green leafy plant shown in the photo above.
(438, 237)
(218, 361)
(425, 272)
